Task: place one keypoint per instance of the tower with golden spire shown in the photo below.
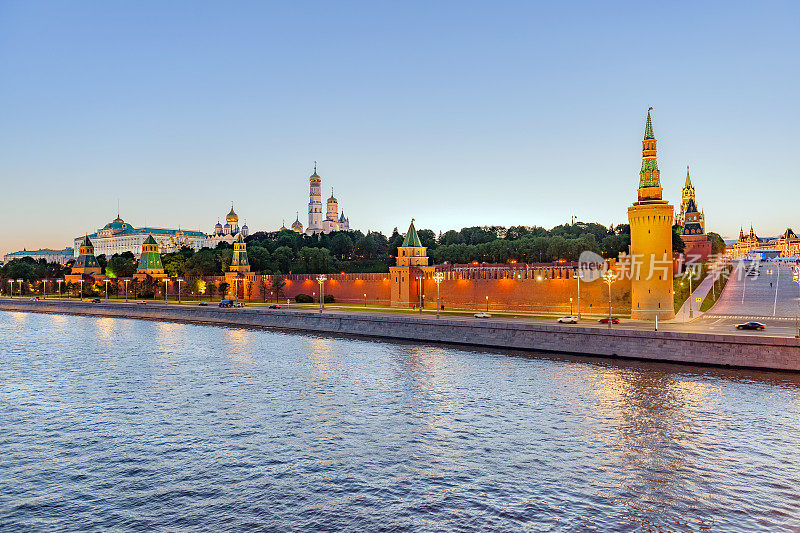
(651, 218)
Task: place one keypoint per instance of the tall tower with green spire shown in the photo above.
(651, 219)
(408, 277)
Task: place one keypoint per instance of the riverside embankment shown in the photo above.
(774, 353)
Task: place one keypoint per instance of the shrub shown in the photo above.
(329, 299)
(303, 299)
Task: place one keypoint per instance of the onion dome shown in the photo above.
(314, 178)
(232, 216)
(297, 226)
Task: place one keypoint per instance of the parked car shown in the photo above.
(140, 302)
(483, 314)
(274, 306)
(203, 304)
(239, 304)
(35, 299)
(95, 300)
(751, 325)
(568, 320)
(226, 303)
(614, 320)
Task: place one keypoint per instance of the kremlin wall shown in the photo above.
(641, 283)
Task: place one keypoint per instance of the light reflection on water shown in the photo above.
(134, 425)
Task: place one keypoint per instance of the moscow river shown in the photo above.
(125, 425)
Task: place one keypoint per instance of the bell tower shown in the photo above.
(651, 220)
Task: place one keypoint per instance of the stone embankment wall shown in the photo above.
(774, 353)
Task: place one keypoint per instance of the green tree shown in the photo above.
(283, 257)
(223, 289)
(718, 245)
(341, 245)
(121, 266)
(276, 285)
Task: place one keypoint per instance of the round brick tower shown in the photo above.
(651, 221)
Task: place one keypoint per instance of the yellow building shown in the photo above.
(412, 267)
(651, 240)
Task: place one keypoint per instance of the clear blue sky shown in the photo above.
(455, 113)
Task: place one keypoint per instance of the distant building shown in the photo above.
(693, 222)
(332, 220)
(227, 233)
(118, 237)
(51, 256)
(751, 245)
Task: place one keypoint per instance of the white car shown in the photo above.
(483, 314)
(568, 320)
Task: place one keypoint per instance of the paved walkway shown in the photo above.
(701, 291)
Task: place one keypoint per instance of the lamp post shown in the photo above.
(11, 293)
(577, 276)
(179, 280)
(60, 281)
(20, 281)
(321, 280)
(438, 277)
(126, 280)
(570, 306)
(44, 288)
(81, 289)
(166, 281)
(106, 281)
(365, 299)
(487, 304)
(609, 278)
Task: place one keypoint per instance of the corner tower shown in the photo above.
(651, 220)
(86, 264)
(239, 261)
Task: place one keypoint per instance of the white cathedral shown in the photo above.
(316, 224)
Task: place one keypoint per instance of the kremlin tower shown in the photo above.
(412, 266)
(650, 219)
(150, 260)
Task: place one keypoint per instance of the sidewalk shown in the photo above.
(701, 291)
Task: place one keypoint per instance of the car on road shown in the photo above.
(614, 320)
(751, 325)
(274, 306)
(140, 302)
(35, 299)
(568, 320)
(482, 314)
(95, 300)
(226, 303)
(203, 304)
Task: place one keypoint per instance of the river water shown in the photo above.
(125, 425)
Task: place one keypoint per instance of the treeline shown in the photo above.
(289, 252)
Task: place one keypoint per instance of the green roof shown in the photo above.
(149, 240)
(412, 239)
(648, 128)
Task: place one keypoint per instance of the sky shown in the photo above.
(454, 113)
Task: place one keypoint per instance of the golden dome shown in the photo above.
(232, 216)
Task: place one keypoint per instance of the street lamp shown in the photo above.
(166, 281)
(179, 288)
(690, 276)
(365, 299)
(487, 304)
(81, 289)
(60, 281)
(106, 282)
(437, 278)
(11, 281)
(321, 280)
(577, 275)
(44, 288)
(126, 280)
(570, 306)
(609, 278)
